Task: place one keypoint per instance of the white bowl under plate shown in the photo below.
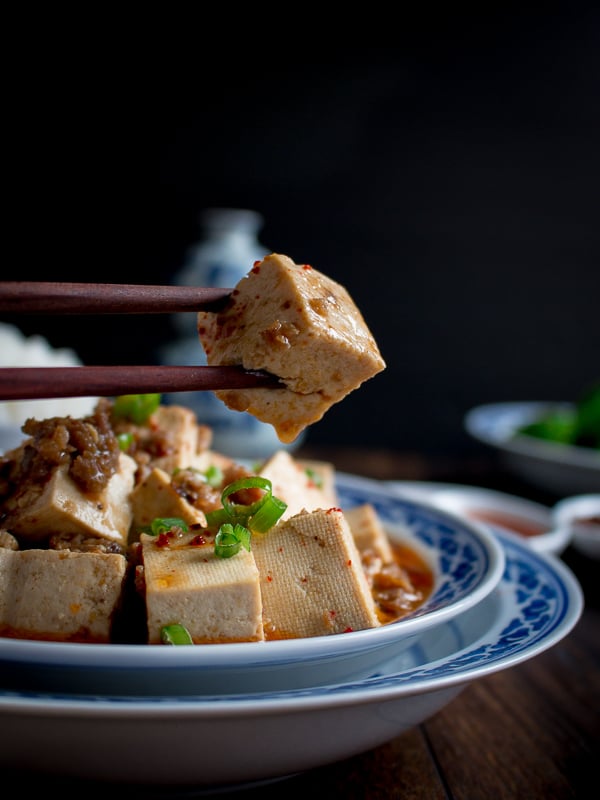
(211, 742)
(569, 515)
(558, 468)
(467, 562)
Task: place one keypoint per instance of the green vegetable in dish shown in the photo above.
(137, 408)
(588, 418)
(175, 634)
(230, 539)
(258, 516)
(579, 426)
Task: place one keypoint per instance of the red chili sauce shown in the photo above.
(400, 588)
(511, 521)
(595, 520)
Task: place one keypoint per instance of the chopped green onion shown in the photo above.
(218, 517)
(230, 539)
(125, 440)
(259, 516)
(175, 634)
(251, 482)
(268, 514)
(136, 407)
(214, 476)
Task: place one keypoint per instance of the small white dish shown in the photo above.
(558, 468)
(580, 516)
(467, 563)
(530, 520)
(228, 741)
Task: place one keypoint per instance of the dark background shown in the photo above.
(450, 182)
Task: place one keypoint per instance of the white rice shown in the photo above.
(18, 350)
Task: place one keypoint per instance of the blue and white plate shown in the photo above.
(467, 563)
(223, 740)
(559, 468)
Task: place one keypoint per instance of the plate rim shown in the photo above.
(348, 693)
(102, 655)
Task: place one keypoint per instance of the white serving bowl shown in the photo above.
(574, 515)
(559, 468)
(467, 561)
(532, 521)
(193, 746)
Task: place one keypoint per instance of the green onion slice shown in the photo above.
(175, 634)
(214, 476)
(251, 482)
(136, 407)
(230, 539)
(236, 521)
(218, 517)
(125, 440)
(268, 514)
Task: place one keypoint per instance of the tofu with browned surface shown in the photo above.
(369, 533)
(300, 325)
(184, 437)
(60, 595)
(297, 484)
(170, 439)
(312, 581)
(217, 599)
(39, 510)
(155, 497)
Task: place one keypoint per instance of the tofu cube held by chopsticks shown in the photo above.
(300, 325)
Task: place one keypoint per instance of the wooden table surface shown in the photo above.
(531, 731)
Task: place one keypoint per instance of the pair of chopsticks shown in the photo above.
(28, 383)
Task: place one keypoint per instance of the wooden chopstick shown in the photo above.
(45, 297)
(29, 383)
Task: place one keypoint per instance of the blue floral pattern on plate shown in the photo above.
(537, 602)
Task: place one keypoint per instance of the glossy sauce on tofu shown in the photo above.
(398, 588)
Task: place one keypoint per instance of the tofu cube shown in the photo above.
(217, 599)
(294, 485)
(369, 533)
(181, 425)
(155, 497)
(60, 595)
(296, 323)
(321, 475)
(311, 578)
(60, 506)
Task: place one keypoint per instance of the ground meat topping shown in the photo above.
(83, 544)
(88, 445)
(193, 487)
